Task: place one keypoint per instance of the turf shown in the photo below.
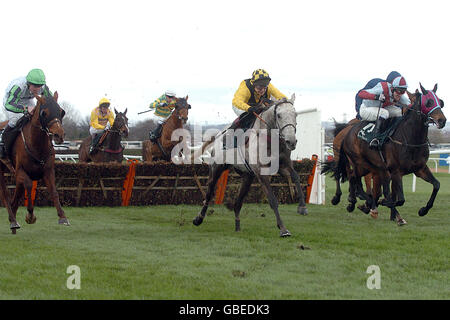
(156, 252)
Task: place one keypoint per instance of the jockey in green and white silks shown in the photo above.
(19, 95)
(18, 100)
(163, 107)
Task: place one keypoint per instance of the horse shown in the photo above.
(406, 152)
(164, 145)
(279, 121)
(109, 146)
(33, 158)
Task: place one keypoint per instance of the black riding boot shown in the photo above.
(94, 143)
(156, 133)
(375, 143)
(8, 137)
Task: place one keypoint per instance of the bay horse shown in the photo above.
(276, 126)
(33, 158)
(163, 148)
(406, 152)
(109, 146)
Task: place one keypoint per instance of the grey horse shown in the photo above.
(264, 150)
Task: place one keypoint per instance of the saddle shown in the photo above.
(367, 134)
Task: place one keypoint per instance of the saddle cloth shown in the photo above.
(367, 134)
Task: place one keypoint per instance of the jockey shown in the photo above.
(18, 101)
(378, 103)
(372, 83)
(101, 119)
(163, 107)
(248, 97)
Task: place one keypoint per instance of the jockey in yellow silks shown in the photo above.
(102, 118)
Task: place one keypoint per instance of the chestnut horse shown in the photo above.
(406, 152)
(109, 147)
(33, 158)
(163, 148)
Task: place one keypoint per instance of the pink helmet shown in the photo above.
(399, 83)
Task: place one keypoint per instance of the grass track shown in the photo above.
(156, 252)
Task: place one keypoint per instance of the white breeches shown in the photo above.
(370, 113)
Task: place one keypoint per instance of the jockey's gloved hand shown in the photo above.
(108, 126)
(380, 97)
(256, 109)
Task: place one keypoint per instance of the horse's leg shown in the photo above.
(425, 174)
(267, 188)
(214, 175)
(397, 191)
(351, 196)
(6, 203)
(30, 218)
(289, 170)
(49, 180)
(337, 196)
(247, 180)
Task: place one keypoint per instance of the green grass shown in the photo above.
(156, 252)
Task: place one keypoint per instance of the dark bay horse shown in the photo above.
(109, 146)
(163, 148)
(33, 158)
(406, 152)
(274, 131)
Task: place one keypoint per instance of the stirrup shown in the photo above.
(374, 143)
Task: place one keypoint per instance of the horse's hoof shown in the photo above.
(64, 221)
(351, 207)
(335, 200)
(364, 208)
(197, 221)
(374, 213)
(423, 211)
(14, 226)
(401, 222)
(285, 233)
(30, 219)
(303, 211)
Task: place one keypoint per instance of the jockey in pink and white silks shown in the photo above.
(378, 103)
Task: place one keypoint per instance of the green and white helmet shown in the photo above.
(36, 76)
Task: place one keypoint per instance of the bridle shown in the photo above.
(280, 130)
(178, 108)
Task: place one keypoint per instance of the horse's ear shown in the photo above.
(55, 96)
(40, 99)
(125, 112)
(115, 110)
(411, 96)
(293, 97)
(435, 88)
(187, 96)
(424, 91)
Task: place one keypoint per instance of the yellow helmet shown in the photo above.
(104, 101)
(260, 76)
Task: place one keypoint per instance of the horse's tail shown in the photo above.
(338, 169)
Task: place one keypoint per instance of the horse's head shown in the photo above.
(285, 120)
(50, 117)
(121, 123)
(431, 106)
(182, 109)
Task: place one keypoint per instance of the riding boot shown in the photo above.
(375, 143)
(94, 143)
(156, 133)
(8, 137)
